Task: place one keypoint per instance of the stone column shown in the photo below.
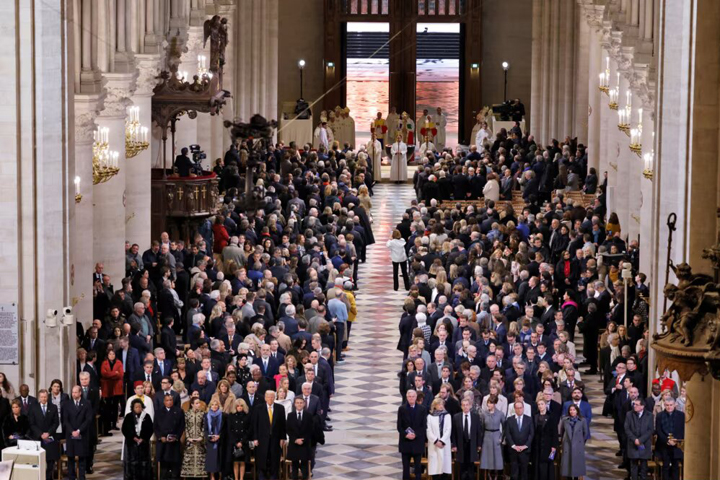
(87, 108)
(594, 95)
(138, 169)
(698, 427)
(110, 197)
(646, 192)
(582, 72)
(536, 71)
(187, 129)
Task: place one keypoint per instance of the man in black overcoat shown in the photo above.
(44, 422)
(299, 426)
(411, 425)
(268, 432)
(169, 427)
(91, 395)
(467, 439)
(77, 416)
(670, 428)
(519, 431)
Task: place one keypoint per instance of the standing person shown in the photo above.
(518, 436)
(268, 434)
(77, 417)
(439, 430)
(398, 163)
(467, 439)
(92, 396)
(169, 427)
(411, 425)
(639, 433)
(111, 386)
(215, 432)
(440, 120)
(573, 431)
(399, 259)
(323, 136)
(379, 128)
(137, 428)
(193, 464)
(44, 422)
(375, 152)
(670, 428)
(300, 434)
(238, 438)
(393, 121)
(545, 441)
(491, 457)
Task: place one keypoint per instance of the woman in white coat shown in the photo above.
(398, 165)
(439, 429)
(492, 188)
(396, 245)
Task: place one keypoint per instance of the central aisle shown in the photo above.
(364, 443)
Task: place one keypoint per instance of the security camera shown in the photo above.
(51, 318)
(68, 318)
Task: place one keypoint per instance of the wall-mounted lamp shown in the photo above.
(474, 66)
(330, 64)
(649, 158)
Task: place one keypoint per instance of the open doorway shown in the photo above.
(368, 70)
(438, 80)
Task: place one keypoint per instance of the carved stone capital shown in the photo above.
(87, 109)
(624, 60)
(194, 43)
(605, 31)
(119, 89)
(148, 70)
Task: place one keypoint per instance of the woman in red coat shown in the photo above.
(111, 384)
(220, 235)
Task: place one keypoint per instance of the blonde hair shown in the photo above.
(241, 403)
(435, 403)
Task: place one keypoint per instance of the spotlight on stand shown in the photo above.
(506, 67)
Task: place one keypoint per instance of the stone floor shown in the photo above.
(363, 444)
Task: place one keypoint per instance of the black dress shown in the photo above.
(138, 464)
(544, 440)
(18, 428)
(238, 431)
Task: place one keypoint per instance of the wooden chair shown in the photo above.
(286, 466)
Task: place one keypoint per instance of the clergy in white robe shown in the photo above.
(398, 166)
(425, 147)
(375, 153)
(440, 120)
(483, 135)
(323, 136)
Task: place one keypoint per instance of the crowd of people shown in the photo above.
(216, 357)
(490, 376)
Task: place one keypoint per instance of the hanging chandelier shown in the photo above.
(104, 162)
(136, 136)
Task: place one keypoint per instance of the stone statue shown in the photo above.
(216, 30)
(694, 310)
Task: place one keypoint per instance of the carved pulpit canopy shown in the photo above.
(689, 341)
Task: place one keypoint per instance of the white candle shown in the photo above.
(77, 185)
(628, 96)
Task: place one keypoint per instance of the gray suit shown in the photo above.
(573, 443)
(640, 428)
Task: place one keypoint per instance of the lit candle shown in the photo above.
(628, 97)
(77, 185)
(143, 134)
(607, 62)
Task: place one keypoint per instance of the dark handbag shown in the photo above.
(238, 454)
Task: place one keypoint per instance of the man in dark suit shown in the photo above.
(411, 426)
(467, 439)
(299, 428)
(26, 400)
(44, 422)
(250, 395)
(169, 426)
(162, 366)
(91, 367)
(168, 340)
(77, 420)
(165, 390)
(91, 395)
(203, 387)
(231, 340)
(147, 374)
(268, 365)
(268, 432)
(94, 344)
(670, 428)
(639, 429)
(130, 359)
(518, 436)
(312, 402)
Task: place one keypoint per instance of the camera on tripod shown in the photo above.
(197, 157)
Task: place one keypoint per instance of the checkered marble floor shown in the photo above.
(363, 444)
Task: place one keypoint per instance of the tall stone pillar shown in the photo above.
(138, 169)
(536, 88)
(582, 72)
(187, 129)
(110, 197)
(87, 108)
(221, 137)
(594, 95)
